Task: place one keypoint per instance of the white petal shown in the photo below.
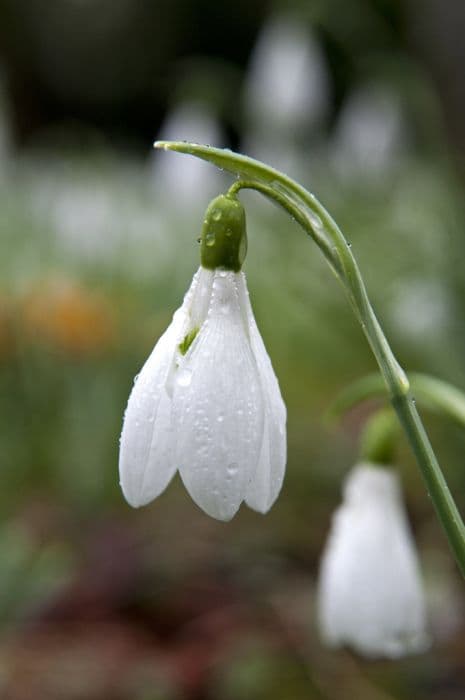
(268, 478)
(370, 594)
(218, 408)
(146, 462)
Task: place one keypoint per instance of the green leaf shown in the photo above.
(431, 393)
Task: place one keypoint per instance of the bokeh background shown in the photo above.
(364, 102)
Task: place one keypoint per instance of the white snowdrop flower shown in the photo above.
(370, 595)
(287, 85)
(207, 401)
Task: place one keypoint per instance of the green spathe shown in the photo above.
(224, 236)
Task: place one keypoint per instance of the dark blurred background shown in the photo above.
(364, 102)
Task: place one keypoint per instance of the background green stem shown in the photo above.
(318, 223)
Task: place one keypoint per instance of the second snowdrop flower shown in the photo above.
(370, 595)
(207, 401)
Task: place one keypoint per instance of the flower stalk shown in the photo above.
(321, 227)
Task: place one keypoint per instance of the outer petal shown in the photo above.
(146, 461)
(218, 408)
(370, 594)
(268, 478)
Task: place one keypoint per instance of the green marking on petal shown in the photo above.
(189, 338)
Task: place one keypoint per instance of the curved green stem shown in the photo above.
(318, 223)
(297, 214)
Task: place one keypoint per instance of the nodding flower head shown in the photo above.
(207, 401)
(370, 596)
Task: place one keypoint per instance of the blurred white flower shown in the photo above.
(422, 309)
(190, 121)
(207, 402)
(287, 85)
(286, 94)
(370, 595)
(371, 133)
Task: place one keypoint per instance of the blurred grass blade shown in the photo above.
(432, 393)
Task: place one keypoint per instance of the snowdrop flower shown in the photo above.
(370, 596)
(207, 401)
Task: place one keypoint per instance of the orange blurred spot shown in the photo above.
(68, 316)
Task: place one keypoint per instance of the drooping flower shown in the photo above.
(370, 596)
(207, 401)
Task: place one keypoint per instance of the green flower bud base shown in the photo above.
(223, 243)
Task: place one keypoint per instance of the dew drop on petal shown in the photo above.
(184, 377)
(232, 468)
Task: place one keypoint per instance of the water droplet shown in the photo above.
(210, 239)
(222, 273)
(217, 215)
(184, 377)
(232, 468)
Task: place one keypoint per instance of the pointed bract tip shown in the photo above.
(165, 145)
(179, 146)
